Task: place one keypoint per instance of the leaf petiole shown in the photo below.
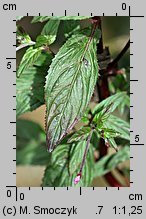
(79, 175)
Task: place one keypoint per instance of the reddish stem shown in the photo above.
(95, 23)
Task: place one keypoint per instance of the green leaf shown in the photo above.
(110, 133)
(80, 134)
(76, 156)
(109, 162)
(70, 27)
(22, 39)
(119, 125)
(57, 172)
(102, 116)
(69, 86)
(69, 17)
(125, 103)
(28, 59)
(88, 169)
(43, 40)
(30, 86)
(112, 102)
(112, 143)
(22, 36)
(30, 142)
(18, 18)
(45, 18)
(39, 19)
(50, 29)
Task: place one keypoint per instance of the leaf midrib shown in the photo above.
(69, 94)
(74, 79)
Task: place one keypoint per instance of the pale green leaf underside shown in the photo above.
(69, 86)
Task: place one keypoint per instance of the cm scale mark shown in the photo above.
(21, 195)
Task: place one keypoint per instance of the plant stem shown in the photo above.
(85, 153)
(90, 38)
(119, 56)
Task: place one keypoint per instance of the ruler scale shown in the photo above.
(123, 202)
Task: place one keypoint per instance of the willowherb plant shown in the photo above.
(65, 81)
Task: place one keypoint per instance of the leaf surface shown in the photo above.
(45, 18)
(69, 86)
(80, 134)
(28, 59)
(58, 169)
(30, 142)
(30, 85)
(50, 29)
(119, 125)
(112, 102)
(109, 162)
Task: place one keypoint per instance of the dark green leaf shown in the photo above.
(112, 143)
(28, 59)
(45, 18)
(30, 87)
(30, 144)
(76, 156)
(44, 59)
(125, 103)
(88, 169)
(119, 125)
(102, 116)
(110, 133)
(57, 172)
(50, 29)
(70, 27)
(112, 101)
(69, 17)
(21, 36)
(85, 117)
(43, 40)
(109, 162)
(22, 39)
(69, 86)
(80, 134)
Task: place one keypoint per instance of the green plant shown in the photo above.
(65, 82)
